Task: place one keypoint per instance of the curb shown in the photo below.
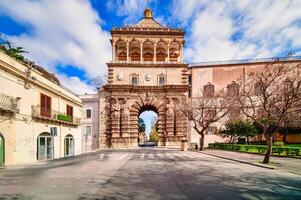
(240, 161)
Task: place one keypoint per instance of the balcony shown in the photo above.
(54, 116)
(9, 104)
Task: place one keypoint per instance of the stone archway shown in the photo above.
(152, 104)
(124, 105)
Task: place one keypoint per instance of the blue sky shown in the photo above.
(71, 37)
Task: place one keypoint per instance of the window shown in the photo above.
(233, 89)
(134, 80)
(161, 80)
(258, 87)
(69, 145)
(88, 130)
(45, 105)
(208, 90)
(211, 130)
(288, 85)
(189, 80)
(70, 111)
(88, 113)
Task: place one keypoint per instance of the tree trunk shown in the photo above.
(267, 156)
(202, 142)
(248, 139)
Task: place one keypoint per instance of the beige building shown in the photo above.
(39, 119)
(147, 72)
(223, 75)
(90, 122)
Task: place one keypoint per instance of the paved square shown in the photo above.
(147, 173)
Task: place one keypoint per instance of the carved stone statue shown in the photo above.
(170, 109)
(125, 111)
(115, 110)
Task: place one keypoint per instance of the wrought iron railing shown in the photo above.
(9, 103)
(44, 113)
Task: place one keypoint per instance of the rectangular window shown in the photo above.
(211, 130)
(69, 110)
(88, 113)
(88, 130)
(161, 80)
(134, 80)
(189, 80)
(45, 105)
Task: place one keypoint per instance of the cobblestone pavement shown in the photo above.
(147, 173)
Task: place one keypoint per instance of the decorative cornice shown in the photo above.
(154, 65)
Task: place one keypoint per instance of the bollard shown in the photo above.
(184, 145)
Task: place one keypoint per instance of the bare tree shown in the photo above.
(271, 97)
(205, 110)
(98, 81)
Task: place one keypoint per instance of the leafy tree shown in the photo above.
(153, 136)
(141, 125)
(15, 52)
(239, 128)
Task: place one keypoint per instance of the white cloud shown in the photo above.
(261, 28)
(131, 9)
(61, 32)
(76, 85)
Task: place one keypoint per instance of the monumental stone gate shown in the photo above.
(147, 72)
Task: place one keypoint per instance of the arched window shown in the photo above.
(161, 51)
(208, 90)
(44, 146)
(69, 145)
(258, 87)
(134, 50)
(174, 51)
(121, 52)
(233, 89)
(148, 51)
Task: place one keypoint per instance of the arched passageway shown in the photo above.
(147, 126)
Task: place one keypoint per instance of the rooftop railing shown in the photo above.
(9, 103)
(244, 61)
(53, 115)
(145, 62)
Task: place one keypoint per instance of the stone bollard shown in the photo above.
(184, 145)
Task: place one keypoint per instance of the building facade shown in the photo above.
(225, 75)
(147, 72)
(90, 122)
(39, 119)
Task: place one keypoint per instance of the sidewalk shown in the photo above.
(291, 165)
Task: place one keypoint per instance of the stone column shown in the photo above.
(127, 52)
(115, 119)
(113, 51)
(182, 53)
(141, 52)
(155, 53)
(168, 52)
(125, 119)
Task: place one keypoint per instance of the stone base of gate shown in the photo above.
(124, 142)
(174, 141)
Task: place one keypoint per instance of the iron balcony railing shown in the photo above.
(49, 114)
(9, 103)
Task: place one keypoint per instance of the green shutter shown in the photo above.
(1, 150)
